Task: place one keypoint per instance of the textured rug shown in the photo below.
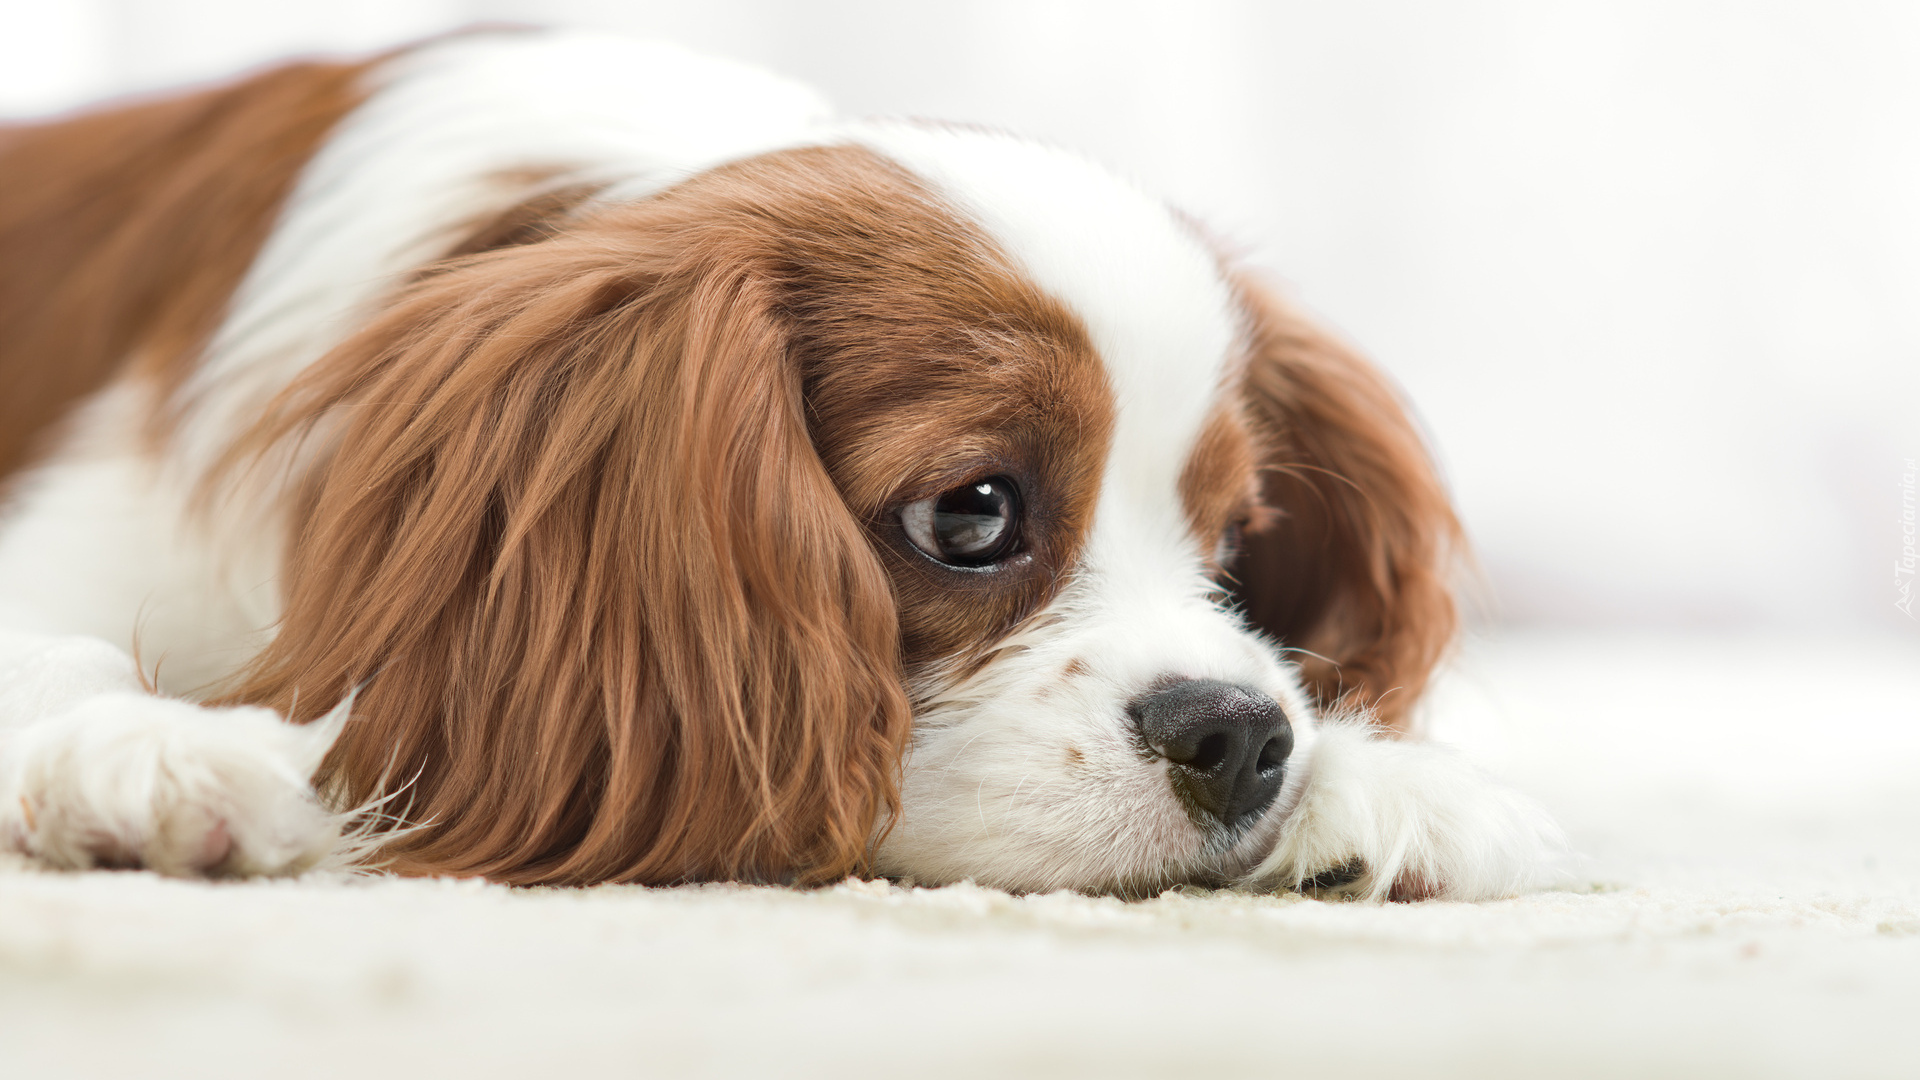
(1745, 901)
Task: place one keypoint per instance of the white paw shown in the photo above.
(1383, 820)
(132, 780)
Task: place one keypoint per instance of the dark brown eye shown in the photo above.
(976, 524)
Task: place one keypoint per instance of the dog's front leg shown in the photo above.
(1379, 820)
(95, 771)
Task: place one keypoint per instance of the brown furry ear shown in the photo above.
(605, 608)
(1354, 568)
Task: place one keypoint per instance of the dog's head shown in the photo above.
(928, 502)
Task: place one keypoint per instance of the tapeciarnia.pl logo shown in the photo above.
(1903, 567)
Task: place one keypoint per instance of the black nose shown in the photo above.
(1228, 745)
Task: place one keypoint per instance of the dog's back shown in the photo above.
(124, 231)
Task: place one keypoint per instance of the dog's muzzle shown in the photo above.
(1226, 747)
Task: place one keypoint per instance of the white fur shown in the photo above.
(1028, 778)
(98, 542)
(1019, 775)
(95, 771)
(1417, 815)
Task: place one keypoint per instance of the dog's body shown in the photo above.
(653, 480)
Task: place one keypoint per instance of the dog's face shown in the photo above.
(1057, 475)
(930, 501)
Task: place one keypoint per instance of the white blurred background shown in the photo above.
(1649, 270)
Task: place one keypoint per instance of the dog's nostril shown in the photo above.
(1273, 755)
(1208, 754)
(1226, 745)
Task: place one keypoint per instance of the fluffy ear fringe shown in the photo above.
(603, 606)
(1354, 570)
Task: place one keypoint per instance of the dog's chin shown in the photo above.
(1215, 857)
(1228, 857)
(1249, 849)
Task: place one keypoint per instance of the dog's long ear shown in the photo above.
(603, 605)
(1354, 568)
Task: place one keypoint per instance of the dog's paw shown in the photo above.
(132, 780)
(1382, 820)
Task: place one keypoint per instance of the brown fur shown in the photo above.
(601, 528)
(937, 366)
(123, 232)
(1354, 567)
(1220, 482)
(539, 212)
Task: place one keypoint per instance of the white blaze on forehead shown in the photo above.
(1149, 293)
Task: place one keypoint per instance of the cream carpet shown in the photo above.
(1746, 902)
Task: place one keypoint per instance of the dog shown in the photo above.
(562, 459)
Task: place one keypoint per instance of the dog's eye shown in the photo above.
(976, 524)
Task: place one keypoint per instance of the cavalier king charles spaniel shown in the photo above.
(564, 459)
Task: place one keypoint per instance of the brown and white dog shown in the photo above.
(649, 478)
